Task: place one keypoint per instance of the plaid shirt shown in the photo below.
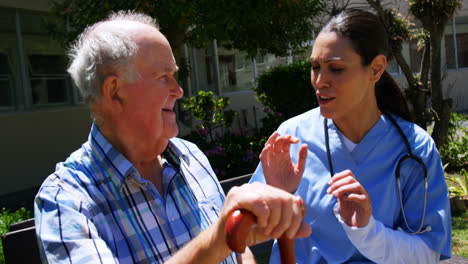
(96, 208)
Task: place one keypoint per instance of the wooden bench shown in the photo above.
(20, 244)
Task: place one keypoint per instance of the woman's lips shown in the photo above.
(324, 99)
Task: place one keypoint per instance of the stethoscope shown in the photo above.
(408, 156)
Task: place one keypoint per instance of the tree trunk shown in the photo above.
(416, 93)
(441, 106)
(405, 68)
(420, 94)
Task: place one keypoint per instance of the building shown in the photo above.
(43, 118)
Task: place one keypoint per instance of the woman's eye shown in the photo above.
(314, 68)
(336, 69)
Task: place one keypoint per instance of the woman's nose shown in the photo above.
(319, 79)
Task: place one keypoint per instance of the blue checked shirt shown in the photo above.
(96, 208)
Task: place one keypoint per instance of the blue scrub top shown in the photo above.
(373, 161)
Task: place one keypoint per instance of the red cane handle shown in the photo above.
(238, 226)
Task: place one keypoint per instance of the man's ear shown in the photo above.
(378, 65)
(112, 93)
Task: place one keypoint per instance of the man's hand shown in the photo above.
(354, 204)
(278, 168)
(278, 212)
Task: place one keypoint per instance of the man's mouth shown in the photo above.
(167, 110)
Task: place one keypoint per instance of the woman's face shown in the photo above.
(343, 86)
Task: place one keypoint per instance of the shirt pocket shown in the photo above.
(210, 209)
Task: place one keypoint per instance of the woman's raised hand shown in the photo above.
(354, 204)
(278, 168)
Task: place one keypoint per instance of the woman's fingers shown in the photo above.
(265, 155)
(302, 158)
(271, 140)
(283, 143)
(340, 175)
(344, 185)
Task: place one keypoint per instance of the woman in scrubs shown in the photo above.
(343, 157)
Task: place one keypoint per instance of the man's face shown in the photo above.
(149, 101)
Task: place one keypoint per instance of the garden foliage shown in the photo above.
(454, 153)
(458, 184)
(285, 91)
(232, 152)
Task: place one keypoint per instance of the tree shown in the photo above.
(256, 26)
(434, 15)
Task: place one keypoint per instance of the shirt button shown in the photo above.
(172, 219)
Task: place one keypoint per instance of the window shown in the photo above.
(5, 81)
(8, 69)
(45, 61)
(48, 79)
(462, 50)
(227, 71)
(34, 73)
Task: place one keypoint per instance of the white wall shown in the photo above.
(33, 142)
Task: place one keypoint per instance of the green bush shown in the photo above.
(212, 112)
(455, 152)
(231, 153)
(458, 184)
(287, 89)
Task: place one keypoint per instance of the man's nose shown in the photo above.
(177, 90)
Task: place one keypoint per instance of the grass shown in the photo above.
(460, 234)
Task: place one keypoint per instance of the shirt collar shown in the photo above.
(122, 165)
(174, 155)
(109, 155)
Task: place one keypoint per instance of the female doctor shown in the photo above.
(372, 181)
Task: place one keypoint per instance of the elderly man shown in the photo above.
(133, 193)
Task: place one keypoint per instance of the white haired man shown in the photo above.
(134, 193)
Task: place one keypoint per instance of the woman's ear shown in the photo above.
(378, 65)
